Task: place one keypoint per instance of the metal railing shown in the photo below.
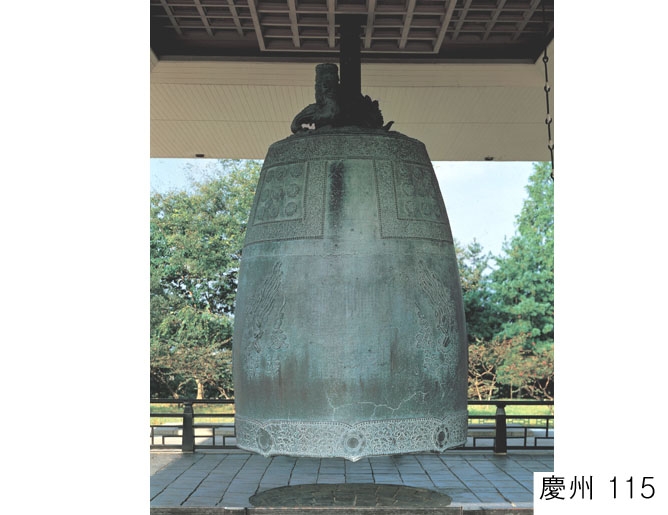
(502, 432)
(179, 427)
(186, 433)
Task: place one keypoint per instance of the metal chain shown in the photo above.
(548, 117)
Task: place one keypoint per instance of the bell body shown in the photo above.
(349, 335)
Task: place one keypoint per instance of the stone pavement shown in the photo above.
(475, 480)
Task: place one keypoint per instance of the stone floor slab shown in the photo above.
(471, 479)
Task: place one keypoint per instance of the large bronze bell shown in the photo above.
(349, 335)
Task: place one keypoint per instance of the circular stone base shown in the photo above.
(350, 494)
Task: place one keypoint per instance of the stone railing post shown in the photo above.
(500, 439)
(188, 438)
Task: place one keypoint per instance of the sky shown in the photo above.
(482, 199)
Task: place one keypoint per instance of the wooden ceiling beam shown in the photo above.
(462, 17)
(293, 22)
(235, 16)
(526, 16)
(495, 16)
(252, 7)
(368, 30)
(447, 29)
(171, 17)
(444, 25)
(331, 30)
(202, 15)
(408, 18)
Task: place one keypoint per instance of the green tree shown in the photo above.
(485, 361)
(523, 292)
(474, 274)
(523, 281)
(528, 373)
(196, 242)
(509, 307)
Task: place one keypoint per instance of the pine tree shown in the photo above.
(523, 282)
(474, 273)
(523, 292)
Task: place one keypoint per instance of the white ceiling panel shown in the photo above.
(231, 109)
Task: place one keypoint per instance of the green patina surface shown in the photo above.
(349, 328)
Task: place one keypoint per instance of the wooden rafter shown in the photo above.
(331, 31)
(293, 23)
(171, 17)
(368, 31)
(390, 26)
(526, 17)
(235, 17)
(408, 18)
(495, 16)
(444, 25)
(252, 7)
(202, 14)
(462, 17)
